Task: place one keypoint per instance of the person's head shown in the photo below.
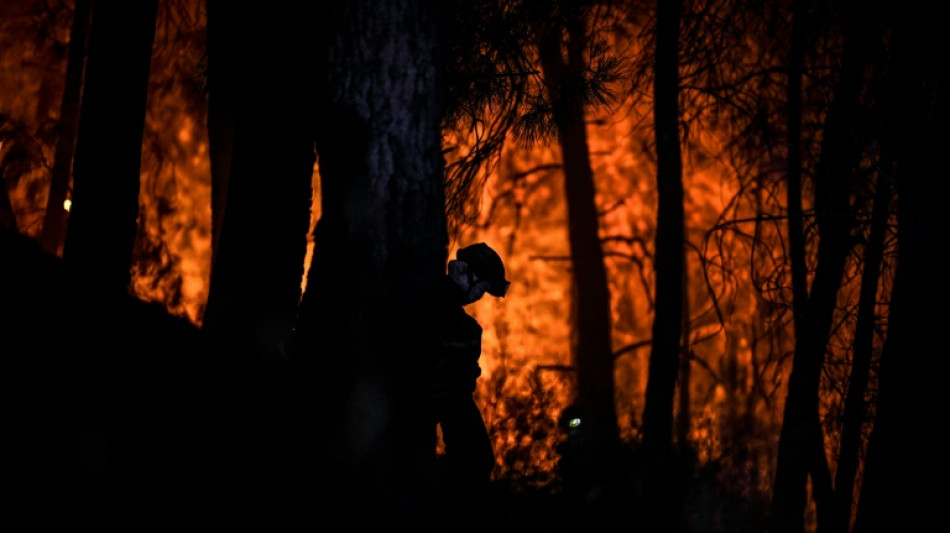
(478, 269)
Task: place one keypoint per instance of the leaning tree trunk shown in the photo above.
(380, 251)
(801, 444)
(103, 220)
(54, 220)
(855, 410)
(660, 490)
(591, 347)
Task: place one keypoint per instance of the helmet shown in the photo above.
(486, 264)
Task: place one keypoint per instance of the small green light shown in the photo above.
(574, 423)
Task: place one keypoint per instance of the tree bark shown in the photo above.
(380, 251)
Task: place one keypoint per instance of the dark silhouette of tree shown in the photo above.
(855, 404)
(563, 47)
(54, 219)
(103, 221)
(801, 445)
(380, 249)
(660, 478)
(897, 492)
(261, 133)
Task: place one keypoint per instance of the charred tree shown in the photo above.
(54, 219)
(380, 250)
(103, 220)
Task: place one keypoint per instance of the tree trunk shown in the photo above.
(258, 266)
(54, 220)
(902, 460)
(801, 443)
(855, 411)
(261, 124)
(103, 220)
(660, 490)
(591, 347)
(794, 503)
(380, 251)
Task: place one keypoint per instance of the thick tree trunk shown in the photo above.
(103, 220)
(54, 220)
(259, 261)
(380, 251)
(261, 126)
(591, 348)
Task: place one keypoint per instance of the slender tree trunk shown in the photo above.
(380, 251)
(660, 492)
(796, 238)
(801, 443)
(103, 220)
(902, 462)
(591, 337)
(855, 412)
(54, 220)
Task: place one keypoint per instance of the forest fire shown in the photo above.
(800, 269)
